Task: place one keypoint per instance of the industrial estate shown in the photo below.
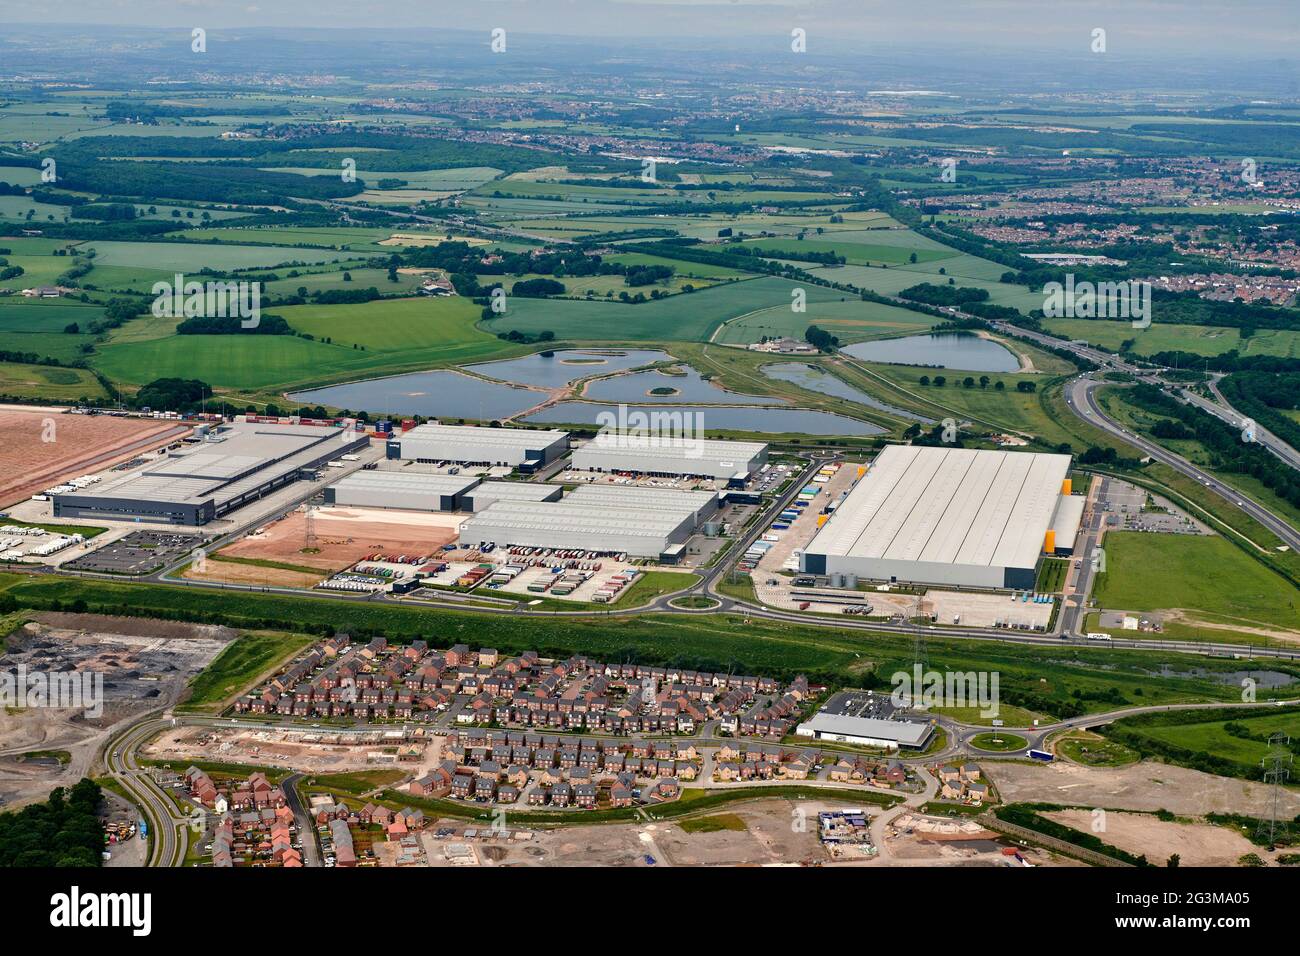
(646, 458)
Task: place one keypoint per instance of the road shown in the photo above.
(1221, 409)
(1082, 399)
(168, 835)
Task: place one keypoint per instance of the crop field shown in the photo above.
(1200, 339)
(850, 321)
(688, 317)
(895, 279)
(1214, 585)
(38, 327)
(192, 257)
(369, 339)
(48, 383)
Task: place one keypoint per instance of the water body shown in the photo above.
(966, 352)
(795, 421)
(817, 379)
(567, 365)
(690, 387)
(441, 394)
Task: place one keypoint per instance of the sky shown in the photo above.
(1133, 27)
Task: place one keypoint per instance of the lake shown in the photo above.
(440, 394)
(966, 352)
(567, 365)
(816, 379)
(690, 387)
(795, 421)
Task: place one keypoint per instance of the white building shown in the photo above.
(711, 458)
(950, 516)
(396, 489)
(867, 731)
(589, 526)
(524, 448)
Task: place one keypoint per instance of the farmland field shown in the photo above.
(1214, 583)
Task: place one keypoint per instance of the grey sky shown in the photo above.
(1134, 27)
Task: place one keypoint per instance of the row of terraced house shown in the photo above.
(336, 678)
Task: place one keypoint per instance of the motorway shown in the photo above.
(1221, 409)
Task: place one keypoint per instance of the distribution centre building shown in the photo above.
(486, 492)
(949, 516)
(524, 448)
(701, 504)
(230, 467)
(588, 525)
(396, 489)
(711, 458)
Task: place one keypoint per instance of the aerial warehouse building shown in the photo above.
(950, 516)
(524, 448)
(650, 455)
(395, 489)
(584, 525)
(229, 468)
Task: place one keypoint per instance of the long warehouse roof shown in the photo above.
(577, 518)
(400, 482)
(478, 435)
(949, 506)
(515, 490)
(235, 459)
(614, 443)
(641, 496)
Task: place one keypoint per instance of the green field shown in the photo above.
(1221, 589)
(390, 335)
(238, 666)
(1230, 742)
(48, 382)
(1200, 339)
(998, 742)
(689, 317)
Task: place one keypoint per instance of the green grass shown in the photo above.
(1051, 575)
(686, 317)
(48, 383)
(1094, 751)
(715, 824)
(1044, 680)
(236, 668)
(1202, 739)
(1211, 579)
(1200, 339)
(1007, 713)
(997, 741)
(367, 340)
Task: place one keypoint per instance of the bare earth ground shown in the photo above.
(297, 750)
(232, 573)
(145, 664)
(346, 535)
(1142, 786)
(1197, 844)
(82, 443)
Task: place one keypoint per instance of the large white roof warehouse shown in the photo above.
(954, 516)
(523, 448)
(611, 451)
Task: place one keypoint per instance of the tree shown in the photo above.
(998, 386)
(1174, 860)
(925, 380)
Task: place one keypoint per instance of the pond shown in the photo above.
(966, 352)
(442, 394)
(567, 365)
(816, 379)
(795, 421)
(687, 387)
